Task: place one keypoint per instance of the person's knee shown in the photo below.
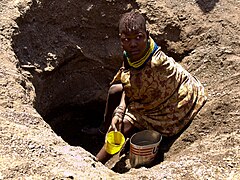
(128, 128)
(115, 89)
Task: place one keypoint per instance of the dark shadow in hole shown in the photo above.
(121, 166)
(206, 5)
(67, 121)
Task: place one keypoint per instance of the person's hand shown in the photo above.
(116, 124)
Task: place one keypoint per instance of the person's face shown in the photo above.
(134, 43)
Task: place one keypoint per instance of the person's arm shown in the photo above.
(118, 114)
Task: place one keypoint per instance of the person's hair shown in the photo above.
(131, 21)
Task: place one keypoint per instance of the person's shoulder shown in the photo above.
(158, 57)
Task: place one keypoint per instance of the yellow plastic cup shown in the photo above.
(114, 142)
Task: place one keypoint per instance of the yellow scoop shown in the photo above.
(114, 142)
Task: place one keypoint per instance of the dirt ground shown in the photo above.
(57, 59)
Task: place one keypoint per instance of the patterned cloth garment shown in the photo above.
(163, 96)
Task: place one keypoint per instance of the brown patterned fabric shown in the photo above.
(162, 95)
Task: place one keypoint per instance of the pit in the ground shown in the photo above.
(68, 121)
